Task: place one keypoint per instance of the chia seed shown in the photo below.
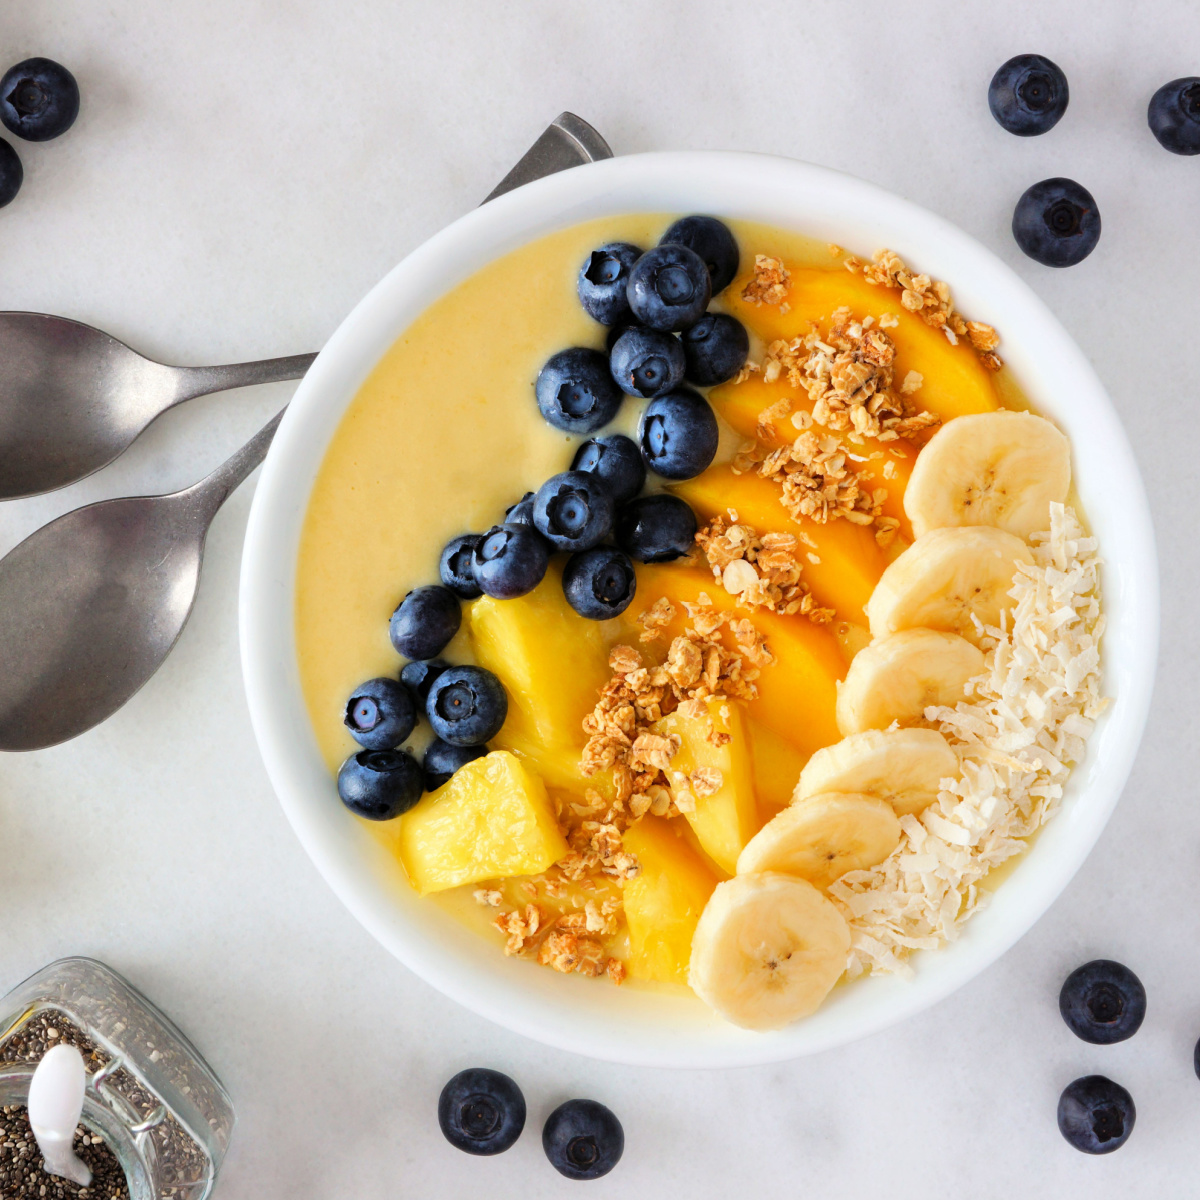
(21, 1164)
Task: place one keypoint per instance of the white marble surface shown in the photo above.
(239, 175)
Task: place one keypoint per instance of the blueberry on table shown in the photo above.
(1196, 1060)
(713, 241)
(656, 529)
(1174, 115)
(510, 561)
(669, 288)
(603, 279)
(1102, 1002)
(520, 513)
(454, 567)
(583, 1139)
(714, 349)
(380, 714)
(1057, 222)
(481, 1111)
(428, 617)
(466, 706)
(442, 760)
(380, 784)
(1028, 95)
(418, 677)
(575, 391)
(11, 173)
(599, 583)
(646, 363)
(574, 510)
(679, 435)
(617, 460)
(39, 99)
(1096, 1115)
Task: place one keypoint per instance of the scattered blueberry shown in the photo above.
(679, 434)
(1028, 95)
(646, 363)
(1102, 1002)
(1096, 1115)
(713, 241)
(428, 617)
(583, 1139)
(714, 349)
(656, 529)
(379, 784)
(481, 1111)
(454, 567)
(466, 706)
(1196, 1060)
(1174, 115)
(521, 513)
(1057, 222)
(11, 173)
(442, 760)
(574, 510)
(39, 99)
(576, 392)
(618, 462)
(669, 288)
(599, 583)
(511, 560)
(603, 279)
(380, 714)
(418, 677)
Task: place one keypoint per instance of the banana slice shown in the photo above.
(905, 767)
(944, 578)
(767, 949)
(999, 468)
(899, 676)
(823, 837)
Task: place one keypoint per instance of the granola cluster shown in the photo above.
(769, 284)
(569, 943)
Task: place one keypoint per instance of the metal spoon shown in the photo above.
(91, 604)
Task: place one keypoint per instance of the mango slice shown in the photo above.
(777, 765)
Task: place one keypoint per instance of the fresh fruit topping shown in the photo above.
(714, 349)
(656, 529)
(617, 460)
(11, 173)
(713, 241)
(511, 560)
(603, 280)
(1028, 95)
(428, 617)
(418, 677)
(466, 706)
(599, 583)
(481, 1111)
(1096, 1115)
(679, 434)
(1102, 1002)
(520, 513)
(442, 760)
(669, 288)
(1000, 468)
(646, 363)
(456, 566)
(583, 1139)
(1174, 115)
(39, 99)
(897, 677)
(575, 391)
(823, 837)
(1057, 222)
(379, 784)
(574, 510)
(380, 714)
(767, 950)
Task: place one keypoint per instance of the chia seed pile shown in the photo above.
(21, 1171)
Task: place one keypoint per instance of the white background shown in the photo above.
(241, 172)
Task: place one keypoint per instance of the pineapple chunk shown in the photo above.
(492, 819)
(777, 765)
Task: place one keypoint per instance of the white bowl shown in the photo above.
(632, 1025)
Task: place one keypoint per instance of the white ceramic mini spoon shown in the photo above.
(55, 1105)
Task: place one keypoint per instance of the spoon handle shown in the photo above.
(214, 489)
(191, 382)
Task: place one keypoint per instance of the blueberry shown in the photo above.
(510, 561)
(603, 279)
(39, 99)
(428, 617)
(481, 1111)
(466, 706)
(520, 513)
(678, 435)
(1196, 1060)
(646, 363)
(574, 510)
(713, 241)
(576, 392)
(656, 528)
(599, 583)
(617, 460)
(1102, 1002)
(669, 288)
(418, 677)
(610, 338)
(583, 1139)
(1174, 115)
(1057, 222)
(380, 714)
(714, 349)
(1096, 1115)
(379, 784)
(442, 760)
(1028, 95)
(11, 173)
(454, 567)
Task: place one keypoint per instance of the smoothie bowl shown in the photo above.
(747, 568)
